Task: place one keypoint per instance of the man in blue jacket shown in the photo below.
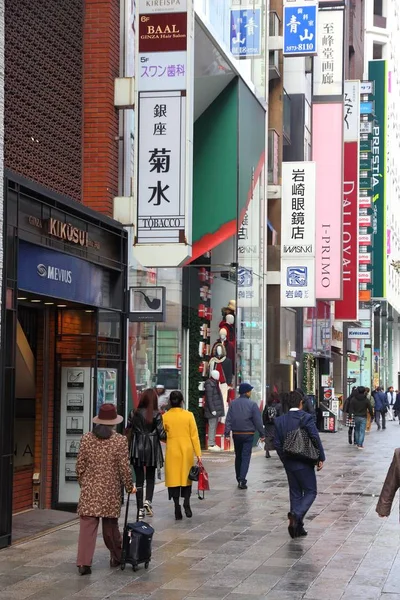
(243, 420)
(381, 407)
(301, 475)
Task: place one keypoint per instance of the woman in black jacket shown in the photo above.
(145, 429)
(272, 410)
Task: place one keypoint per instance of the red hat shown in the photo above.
(108, 415)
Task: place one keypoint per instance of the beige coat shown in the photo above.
(102, 468)
(183, 445)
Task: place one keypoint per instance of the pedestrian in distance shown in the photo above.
(381, 408)
(162, 398)
(213, 408)
(182, 445)
(350, 423)
(243, 420)
(391, 398)
(145, 431)
(396, 406)
(307, 406)
(271, 410)
(102, 468)
(360, 406)
(390, 486)
(372, 402)
(300, 473)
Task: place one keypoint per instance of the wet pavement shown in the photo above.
(236, 546)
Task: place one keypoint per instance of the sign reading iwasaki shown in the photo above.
(164, 132)
(298, 234)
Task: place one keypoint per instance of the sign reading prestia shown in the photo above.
(163, 32)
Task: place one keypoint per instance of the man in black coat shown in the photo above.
(213, 408)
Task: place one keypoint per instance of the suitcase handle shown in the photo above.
(127, 510)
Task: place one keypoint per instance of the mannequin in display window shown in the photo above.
(222, 363)
(229, 325)
(213, 408)
(229, 347)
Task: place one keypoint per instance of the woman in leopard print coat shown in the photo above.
(102, 468)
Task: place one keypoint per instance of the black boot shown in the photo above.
(187, 509)
(350, 436)
(178, 510)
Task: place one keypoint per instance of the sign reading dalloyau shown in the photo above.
(64, 231)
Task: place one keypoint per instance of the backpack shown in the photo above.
(270, 413)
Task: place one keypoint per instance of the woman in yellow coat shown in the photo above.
(182, 445)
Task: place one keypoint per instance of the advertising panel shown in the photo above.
(378, 75)
(246, 32)
(327, 140)
(347, 308)
(298, 234)
(328, 64)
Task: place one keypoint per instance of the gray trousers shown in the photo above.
(212, 429)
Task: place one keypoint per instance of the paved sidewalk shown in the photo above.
(237, 547)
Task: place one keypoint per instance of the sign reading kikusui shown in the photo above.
(298, 234)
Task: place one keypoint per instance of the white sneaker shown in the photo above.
(214, 448)
(141, 514)
(148, 508)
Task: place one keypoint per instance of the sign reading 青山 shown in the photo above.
(300, 29)
(246, 32)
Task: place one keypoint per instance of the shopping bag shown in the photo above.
(203, 483)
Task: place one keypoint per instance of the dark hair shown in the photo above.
(284, 400)
(300, 391)
(361, 389)
(176, 399)
(367, 390)
(149, 401)
(295, 399)
(103, 431)
(273, 398)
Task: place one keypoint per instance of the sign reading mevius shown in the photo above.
(164, 131)
(298, 234)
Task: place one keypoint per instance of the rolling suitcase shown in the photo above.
(136, 542)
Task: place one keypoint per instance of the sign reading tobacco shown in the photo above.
(163, 32)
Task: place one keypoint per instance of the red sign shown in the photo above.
(165, 32)
(347, 309)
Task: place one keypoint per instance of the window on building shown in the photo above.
(378, 8)
(380, 14)
(377, 51)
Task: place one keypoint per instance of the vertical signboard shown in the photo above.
(298, 234)
(347, 308)
(379, 76)
(328, 154)
(246, 32)
(164, 132)
(328, 64)
(300, 29)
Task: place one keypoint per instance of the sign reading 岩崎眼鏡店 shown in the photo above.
(328, 64)
(164, 132)
(378, 74)
(299, 29)
(246, 30)
(298, 234)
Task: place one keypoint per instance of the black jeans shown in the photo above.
(150, 476)
(243, 446)
(378, 414)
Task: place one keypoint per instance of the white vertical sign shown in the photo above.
(298, 234)
(164, 132)
(351, 111)
(328, 64)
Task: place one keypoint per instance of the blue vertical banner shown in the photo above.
(246, 32)
(300, 29)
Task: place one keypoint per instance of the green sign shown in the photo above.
(365, 164)
(379, 75)
(365, 183)
(365, 145)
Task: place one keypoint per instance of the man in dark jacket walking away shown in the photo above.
(360, 405)
(243, 420)
(301, 474)
(213, 408)
(381, 407)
